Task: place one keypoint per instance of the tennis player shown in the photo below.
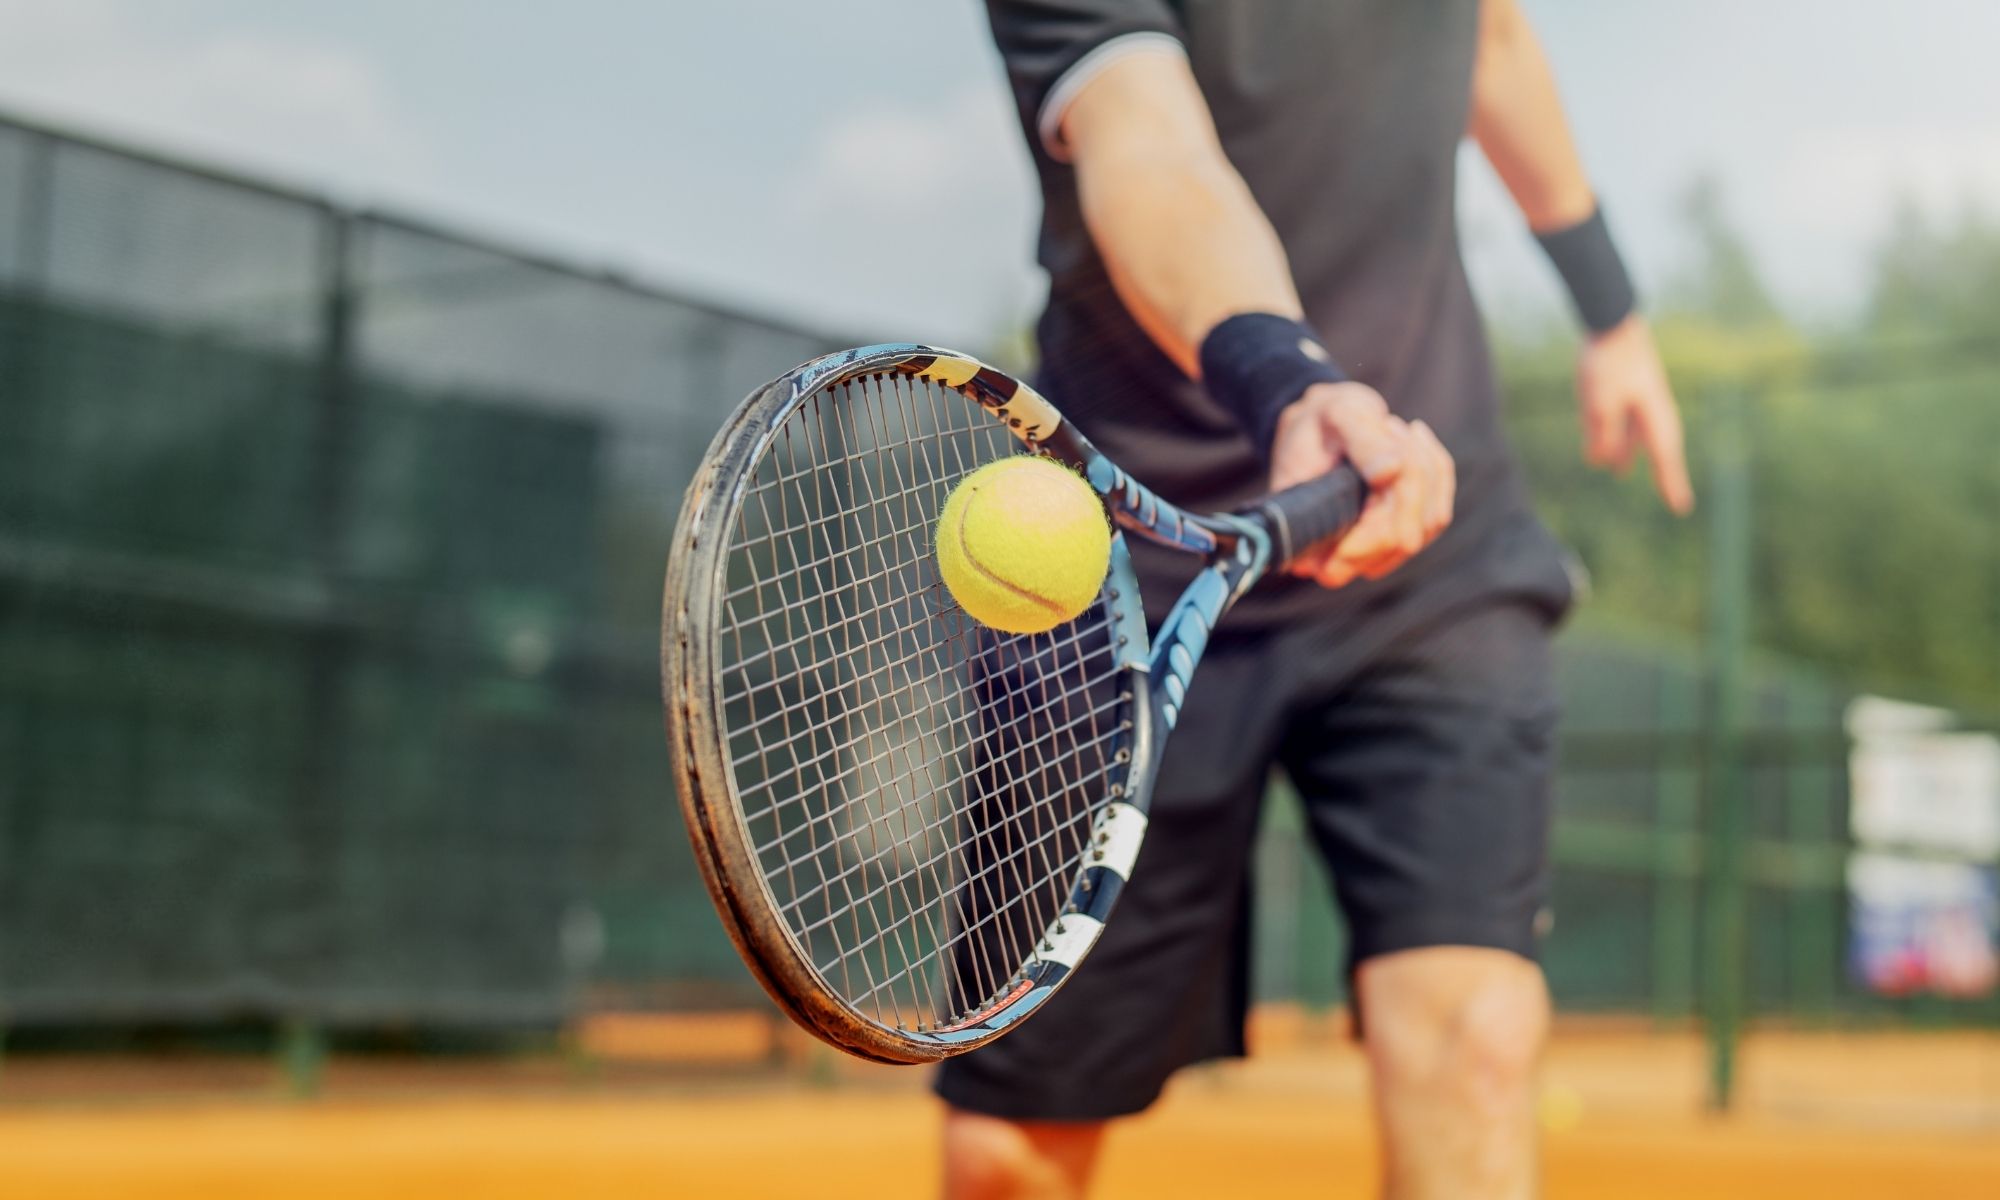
(1254, 273)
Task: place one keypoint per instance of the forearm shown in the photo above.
(1518, 121)
(1179, 232)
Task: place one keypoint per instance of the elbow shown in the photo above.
(1504, 38)
(1502, 28)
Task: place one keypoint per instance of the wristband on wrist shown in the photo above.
(1255, 364)
(1590, 267)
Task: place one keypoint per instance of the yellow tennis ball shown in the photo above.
(1023, 544)
(1561, 1108)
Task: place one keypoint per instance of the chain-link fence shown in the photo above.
(329, 589)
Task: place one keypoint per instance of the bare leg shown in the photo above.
(1454, 1035)
(988, 1158)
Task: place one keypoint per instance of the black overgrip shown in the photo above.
(1313, 511)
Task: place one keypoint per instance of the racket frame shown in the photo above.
(1155, 672)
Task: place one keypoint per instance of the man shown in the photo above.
(1258, 195)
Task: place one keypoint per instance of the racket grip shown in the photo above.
(1313, 511)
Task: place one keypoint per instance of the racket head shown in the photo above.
(913, 827)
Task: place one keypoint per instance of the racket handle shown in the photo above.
(1313, 511)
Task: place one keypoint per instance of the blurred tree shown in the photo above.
(1722, 282)
(1935, 280)
(1875, 489)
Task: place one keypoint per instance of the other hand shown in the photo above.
(1627, 403)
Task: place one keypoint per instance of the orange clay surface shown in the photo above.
(1823, 1116)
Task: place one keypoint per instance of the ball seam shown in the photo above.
(972, 560)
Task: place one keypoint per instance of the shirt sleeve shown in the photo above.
(1053, 48)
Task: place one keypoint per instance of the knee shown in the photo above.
(1470, 1039)
(987, 1158)
(1497, 1035)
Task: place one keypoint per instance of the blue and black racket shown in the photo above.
(913, 826)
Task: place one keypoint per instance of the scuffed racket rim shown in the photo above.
(707, 786)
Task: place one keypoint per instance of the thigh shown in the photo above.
(1426, 781)
(1166, 984)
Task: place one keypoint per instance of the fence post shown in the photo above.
(21, 387)
(302, 1052)
(302, 1046)
(1727, 809)
(1676, 887)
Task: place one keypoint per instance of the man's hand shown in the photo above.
(1411, 479)
(1627, 403)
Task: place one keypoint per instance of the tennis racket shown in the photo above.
(915, 827)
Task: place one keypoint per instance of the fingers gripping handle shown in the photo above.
(1313, 511)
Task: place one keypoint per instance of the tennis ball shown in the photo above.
(1561, 1108)
(1023, 544)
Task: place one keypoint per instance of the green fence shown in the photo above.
(329, 571)
(329, 578)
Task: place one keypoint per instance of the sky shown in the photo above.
(786, 154)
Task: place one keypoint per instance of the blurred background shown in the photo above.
(353, 360)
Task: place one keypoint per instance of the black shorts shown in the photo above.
(1423, 756)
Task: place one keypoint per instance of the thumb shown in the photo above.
(1301, 451)
(1374, 443)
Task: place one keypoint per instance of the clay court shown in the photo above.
(1822, 1116)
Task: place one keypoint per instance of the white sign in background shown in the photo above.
(1925, 814)
(1918, 788)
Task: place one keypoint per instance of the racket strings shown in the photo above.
(944, 755)
(919, 791)
(1000, 825)
(938, 759)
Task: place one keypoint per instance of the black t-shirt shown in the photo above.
(1344, 118)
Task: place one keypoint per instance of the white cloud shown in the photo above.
(902, 161)
(942, 182)
(1849, 181)
(314, 110)
(1822, 203)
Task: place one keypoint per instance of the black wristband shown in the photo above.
(1588, 262)
(1255, 364)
